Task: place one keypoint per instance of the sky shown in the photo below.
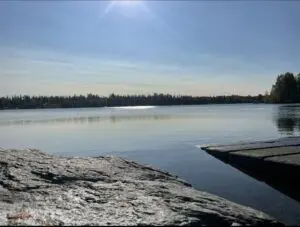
(142, 47)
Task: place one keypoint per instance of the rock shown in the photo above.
(42, 189)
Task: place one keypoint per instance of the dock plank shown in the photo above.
(269, 152)
(284, 142)
(288, 159)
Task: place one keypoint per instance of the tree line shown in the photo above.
(90, 100)
(285, 90)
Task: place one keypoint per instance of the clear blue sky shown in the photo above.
(180, 47)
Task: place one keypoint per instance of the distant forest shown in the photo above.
(27, 102)
(285, 90)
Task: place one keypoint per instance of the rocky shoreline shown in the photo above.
(42, 189)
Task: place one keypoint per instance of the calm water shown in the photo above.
(165, 137)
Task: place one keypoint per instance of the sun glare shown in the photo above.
(127, 2)
(128, 7)
(133, 9)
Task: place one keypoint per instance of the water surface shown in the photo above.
(167, 138)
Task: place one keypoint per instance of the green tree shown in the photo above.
(285, 89)
(298, 87)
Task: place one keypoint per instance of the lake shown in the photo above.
(165, 137)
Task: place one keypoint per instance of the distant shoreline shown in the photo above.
(132, 107)
(80, 101)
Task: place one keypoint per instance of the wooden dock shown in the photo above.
(276, 162)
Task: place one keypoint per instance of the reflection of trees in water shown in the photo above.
(287, 119)
(89, 120)
(286, 125)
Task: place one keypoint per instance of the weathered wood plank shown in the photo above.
(269, 152)
(288, 159)
(284, 142)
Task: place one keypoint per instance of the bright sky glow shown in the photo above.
(127, 7)
(128, 2)
(134, 47)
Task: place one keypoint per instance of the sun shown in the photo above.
(133, 9)
(127, 2)
(127, 7)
